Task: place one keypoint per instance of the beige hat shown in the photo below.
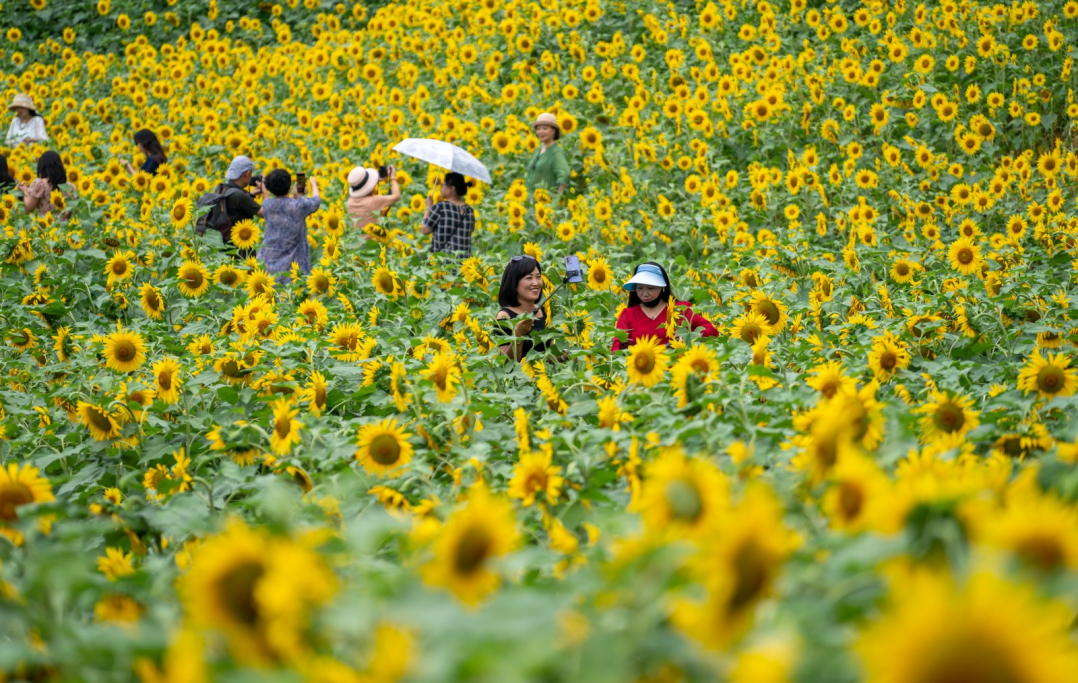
(23, 100)
(361, 181)
(547, 119)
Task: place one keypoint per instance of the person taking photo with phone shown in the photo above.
(364, 207)
(518, 295)
(646, 315)
(285, 239)
(147, 143)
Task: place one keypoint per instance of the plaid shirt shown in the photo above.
(451, 228)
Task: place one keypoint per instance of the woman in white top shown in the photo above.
(27, 127)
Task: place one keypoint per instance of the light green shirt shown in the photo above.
(547, 169)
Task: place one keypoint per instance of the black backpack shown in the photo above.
(217, 217)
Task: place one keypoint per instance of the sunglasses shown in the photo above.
(521, 258)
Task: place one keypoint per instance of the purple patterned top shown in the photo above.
(285, 239)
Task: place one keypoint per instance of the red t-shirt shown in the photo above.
(637, 323)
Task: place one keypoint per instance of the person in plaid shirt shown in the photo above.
(450, 223)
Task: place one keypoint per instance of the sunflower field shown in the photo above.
(871, 474)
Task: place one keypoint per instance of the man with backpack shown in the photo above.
(230, 202)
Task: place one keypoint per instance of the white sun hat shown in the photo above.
(361, 181)
(648, 275)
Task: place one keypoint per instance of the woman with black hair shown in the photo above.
(7, 183)
(51, 176)
(147, 143)
(450, 222)
(285, 239)
(646, 315)
(519, 294)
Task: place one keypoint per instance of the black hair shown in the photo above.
(51, 166)
(148, 139)
(514, 273)
(458, 183)
(278, 181)
(5, 175)
(667, 291)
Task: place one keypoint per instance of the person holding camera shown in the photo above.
(364, 207)
(518, 295)
(450, 222)
(285, 239)
(646, 315)
(239, 204)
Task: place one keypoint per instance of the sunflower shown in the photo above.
(193, 279)
(245, 234)
(181, 213)
(855, 499)
(63, 345)
(773, 311)
(749, 327)
(386, 282)
(166, 377)
(259, 283)
(1040, 530)
(681, 494)
(22, 339)
(101, 423)
(119, 267)
(285, 427)
(888, 356)
(737, 564)
(534, 474)
(383, 447)
(947, 416)
(465, 546)
(151, 300)
(257, 589)
(646, 362)
(829, 378)
(124, 351)
(964, 256)
(600, 278)
(701, 360)
(985, 630)
(321, 282)
(315, 394)
(21, 485)
(444, 372)
(228, 276)
(1049, 375)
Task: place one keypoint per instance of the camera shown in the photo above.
(383, 172)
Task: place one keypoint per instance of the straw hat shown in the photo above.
(547, 119)
(361, 181)
(23, 100)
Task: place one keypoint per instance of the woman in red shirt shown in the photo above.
(649, 291)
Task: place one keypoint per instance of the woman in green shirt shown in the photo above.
(548, 169)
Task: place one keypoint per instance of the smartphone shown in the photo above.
(301, 183)
(573, 273)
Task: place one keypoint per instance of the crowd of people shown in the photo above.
(286, 203)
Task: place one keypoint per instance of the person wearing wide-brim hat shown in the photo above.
(549, 168)
(362, 205)
(27, 127)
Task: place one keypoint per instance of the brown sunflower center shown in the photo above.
(965, 256)
(1041, 550)
(684, 500)
(751, 569)
(164, 380)
(770, 311)
(193, 278)
(124, 350)
(472, 549)
(283, 426)
(384, 449)
(888, 360)
(644, 362)
(1051, 379)
(850, 500)
(236, 591)
(12, 495)
(949, 418)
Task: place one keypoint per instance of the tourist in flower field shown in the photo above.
(450, 222)
(548, 168)
(646, 315)
(519, 293)
(51, 176)
(364, 207)
(239, 205)
(27, 127)
(7, 182)
(147, 143)
(285, 239)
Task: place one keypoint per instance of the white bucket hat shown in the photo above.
(23, 100)
(648, 275)
(361, 181)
